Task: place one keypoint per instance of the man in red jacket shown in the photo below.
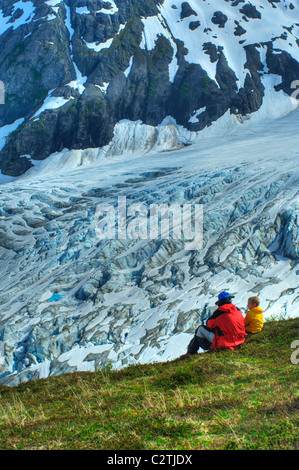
(225, 329)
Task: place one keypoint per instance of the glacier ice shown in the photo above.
(72, 302)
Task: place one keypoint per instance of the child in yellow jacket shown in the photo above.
(254, 319)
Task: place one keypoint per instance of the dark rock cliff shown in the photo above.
(47, 48)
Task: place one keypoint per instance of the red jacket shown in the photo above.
(228, 325)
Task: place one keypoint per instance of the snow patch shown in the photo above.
(28, 9)
(109, 11)
(153, 27)
(51, 102)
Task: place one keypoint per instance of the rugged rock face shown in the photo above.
(72, 69)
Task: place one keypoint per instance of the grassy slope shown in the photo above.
(244, 399)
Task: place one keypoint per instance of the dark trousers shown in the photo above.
(198, 341)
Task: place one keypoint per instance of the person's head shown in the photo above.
(224, 298)
(253, 302)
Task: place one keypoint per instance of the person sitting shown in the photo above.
(254, 319)
(225, 329)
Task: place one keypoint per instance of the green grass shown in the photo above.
(244, 399)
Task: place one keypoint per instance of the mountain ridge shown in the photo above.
(73, 70)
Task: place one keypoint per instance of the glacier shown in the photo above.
(71, 302)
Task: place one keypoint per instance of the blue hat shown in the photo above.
(224, 295)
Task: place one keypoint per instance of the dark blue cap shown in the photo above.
(224, 295)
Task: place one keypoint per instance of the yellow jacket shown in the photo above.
(254, 320)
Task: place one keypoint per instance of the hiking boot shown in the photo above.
(184, 356)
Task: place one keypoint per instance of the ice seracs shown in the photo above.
(81, 303)
(71, 301)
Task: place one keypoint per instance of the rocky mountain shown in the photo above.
(176, 103)
(73, 69)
